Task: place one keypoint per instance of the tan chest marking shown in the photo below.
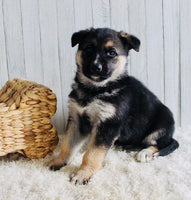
(98, 111)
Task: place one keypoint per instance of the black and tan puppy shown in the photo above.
(111, 107)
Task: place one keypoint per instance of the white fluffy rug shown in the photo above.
(121, 178)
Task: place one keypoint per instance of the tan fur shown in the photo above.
(93, 158)
(109, 43)
(65, 149)
(92, 162)
(122, 60)
(145, 155)
(153, 149)
(151, 139)
(97, 110)
(125, 35)
(71, 143)
(64, 154)
(121, 63)
(79, 58)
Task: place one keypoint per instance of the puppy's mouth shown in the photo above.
(95, 78)
(99, 78)
(99, 73)
(96, 75)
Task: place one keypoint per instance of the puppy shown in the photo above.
(110, 107)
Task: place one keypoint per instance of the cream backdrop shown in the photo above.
(35, 44)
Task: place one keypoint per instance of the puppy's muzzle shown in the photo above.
(96, 68)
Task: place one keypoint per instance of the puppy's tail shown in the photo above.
(168, 149)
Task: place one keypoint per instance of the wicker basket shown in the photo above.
(26, 109)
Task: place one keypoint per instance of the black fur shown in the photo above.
(111, 106)
(139, 112)
(85, 126)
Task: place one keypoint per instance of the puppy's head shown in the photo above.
(102, 53)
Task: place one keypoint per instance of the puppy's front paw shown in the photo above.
(56, 164)
(144, 155)
(81, 177)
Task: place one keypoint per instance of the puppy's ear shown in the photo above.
(130, 40)
(77, 37)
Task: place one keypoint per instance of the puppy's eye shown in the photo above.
(111, 53)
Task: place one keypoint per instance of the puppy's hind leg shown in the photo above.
(160, 143)
(145, 155)
(150, 141)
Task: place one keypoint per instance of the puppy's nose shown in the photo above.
(97, 67)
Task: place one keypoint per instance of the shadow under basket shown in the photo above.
(26, 109)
